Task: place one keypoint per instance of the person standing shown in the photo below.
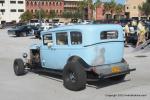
(141, 33)
(127, 31)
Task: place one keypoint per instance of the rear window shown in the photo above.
(108, 35)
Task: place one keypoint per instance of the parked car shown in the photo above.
(78, 52)
(37, 33)
(1, 26)
(23, 30)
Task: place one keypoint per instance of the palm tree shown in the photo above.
(90, 7)
(86, 5)
(82, 6)
(119, 9)
(110, 7)
(97, 3)
(107, 10)
(145, 8)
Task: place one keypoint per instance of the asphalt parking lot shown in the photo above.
(47, 87)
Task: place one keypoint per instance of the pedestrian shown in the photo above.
(127, 32)
(141, 33)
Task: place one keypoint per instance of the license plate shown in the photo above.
(115, 69)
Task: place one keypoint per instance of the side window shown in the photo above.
(61, 38)
(108, 35)
(47, 39)
(76, 38)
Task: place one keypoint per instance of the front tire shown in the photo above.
(74, 76)
(19, 68)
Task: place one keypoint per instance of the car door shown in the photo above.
(54, 52)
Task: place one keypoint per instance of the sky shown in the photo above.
(118, 1)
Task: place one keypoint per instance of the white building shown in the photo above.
(10, 10)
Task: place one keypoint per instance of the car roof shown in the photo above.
(87, 27)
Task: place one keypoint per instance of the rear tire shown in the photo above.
(19, 68)
(74, 76)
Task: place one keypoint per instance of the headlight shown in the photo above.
(25, 55)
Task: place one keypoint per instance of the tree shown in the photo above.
(110, 8)
(67, 14)
(86, 5)
(145, 8)
(118, 10)
(97, 3)
(77, 15)
(52, 14)
(40, 13)
(26, 16)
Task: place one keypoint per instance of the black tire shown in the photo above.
(74, 76)
(17, 34)
(118, 78)
(19, 67)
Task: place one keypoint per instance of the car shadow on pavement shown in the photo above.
(52, 76)
(13, 36)
(98, 84)
(102, 83)
(33, 38)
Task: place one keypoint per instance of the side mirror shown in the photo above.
(49, 45)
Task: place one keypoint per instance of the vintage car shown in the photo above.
(78, 53)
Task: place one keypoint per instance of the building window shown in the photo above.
(127, 7)
(134, 7)
(32, 10)
(20, 2)
(42, 3)
(2, 2)
(60, 11)
(2, 10)
(53, 3)
(12, 2)
(35, 3)
(46, 3)
(13, 10)
(56, 3)
(20, 10)
(31, 3)
(50, 3)
(27, 3)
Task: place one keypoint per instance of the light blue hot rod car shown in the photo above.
(78, 52)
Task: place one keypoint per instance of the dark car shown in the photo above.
(37, 33)
(24, 30)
